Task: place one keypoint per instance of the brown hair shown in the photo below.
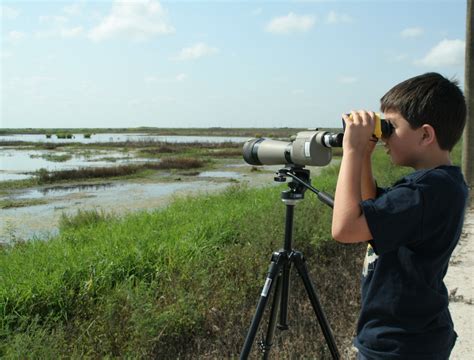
(430, 99)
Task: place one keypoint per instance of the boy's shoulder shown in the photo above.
(441, 175)
(445, 183)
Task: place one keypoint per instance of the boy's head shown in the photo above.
(430, 99)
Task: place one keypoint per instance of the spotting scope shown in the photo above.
(307, 148)
(312, 147)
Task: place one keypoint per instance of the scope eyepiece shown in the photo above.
(333, 139)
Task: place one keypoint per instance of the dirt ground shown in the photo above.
(460, 283)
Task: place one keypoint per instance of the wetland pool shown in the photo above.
(35, 212)
(118, 197)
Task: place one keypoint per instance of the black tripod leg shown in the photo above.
(285, 293)
(300, 264)
(278, 260)
(267, 342)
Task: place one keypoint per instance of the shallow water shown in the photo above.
(56, 191)
(16, 164)
(42, 221)
(221, 174)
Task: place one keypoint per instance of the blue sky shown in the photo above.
(216, 63)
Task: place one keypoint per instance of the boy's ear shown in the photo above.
(428, 134)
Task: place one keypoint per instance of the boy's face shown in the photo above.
(403, 145)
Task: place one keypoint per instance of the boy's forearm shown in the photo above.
(348, 193)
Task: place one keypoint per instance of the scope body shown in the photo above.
(308, 148)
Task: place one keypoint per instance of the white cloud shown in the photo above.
(140, 20)
(347, 79)
(412, 32)
(290, 23)
(445, 53)
(196, 51)
(8, 13)
(338, 18)
(58, 26)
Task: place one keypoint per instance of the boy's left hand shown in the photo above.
(359, 130)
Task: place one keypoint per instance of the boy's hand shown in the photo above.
(355, 181)
(359, 130)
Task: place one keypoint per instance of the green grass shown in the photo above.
(180, 282)
(7, 203)
(174, 259)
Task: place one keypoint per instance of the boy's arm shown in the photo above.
(349, 224)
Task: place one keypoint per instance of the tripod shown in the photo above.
(279, 271)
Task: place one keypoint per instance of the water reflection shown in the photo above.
(62, 190)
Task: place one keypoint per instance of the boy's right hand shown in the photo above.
(360, 127)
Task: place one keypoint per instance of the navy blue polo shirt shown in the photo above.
(415, 226)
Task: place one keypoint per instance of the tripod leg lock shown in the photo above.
(264, 347)
(266, 287)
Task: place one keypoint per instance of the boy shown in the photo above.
(412, 227)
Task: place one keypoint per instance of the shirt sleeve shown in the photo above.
(394, 217)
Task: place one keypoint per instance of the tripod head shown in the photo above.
(300, 182)
(296, 188)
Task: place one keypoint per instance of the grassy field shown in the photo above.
(177, 283)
